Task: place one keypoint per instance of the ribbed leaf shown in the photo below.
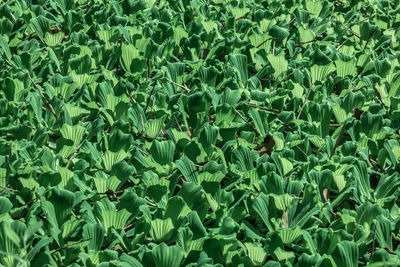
(62, 202)
(260, 205)
(74, 133)
(314, 7)
(66, 90)
(165, 256)
(210, 177)
(258, 122)
(129, 53)
(162, 229)
(340, 114)
(345, 68)
(10, 233)
(187, 168)
(387, 186)
(75, 112)
(96, 234)
(14, 89)
(40, 25)
(153, 127)
(179, 34)
(112, 218)
(66, 177)
(290, 236)
(256, 253)
(244, 158)
(162, 152)
(80, 65)
(306, 35)
(384, 230)
(361, 176)
(105, 36)
(3, 177)
(279, 63)
(283, 255)
(105, 184)
(346, 254)
(5, 205)
(320, 72)
(5, 48)
(239, 61)
(282, 202)
(110, 158)
(53, 39)
(176, 71)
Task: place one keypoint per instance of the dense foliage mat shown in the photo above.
(199, 133)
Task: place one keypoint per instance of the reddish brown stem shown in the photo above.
(304, 103)
(242, 17)
(148, 68)
(272, 38)
(46, 103)
(379, 95)
(176, 120)
(70, 245)
(5, 187)
(339, 139)
(148, 99)
(247, 122)
(369, 38)
(264, 108)
(72, 156)
(180, 85)
(373, 243)
(312, 41)
(10, 153)
(359, 220)
(130, 96)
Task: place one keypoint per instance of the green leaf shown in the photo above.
(59, 205)
(167, 256)
(40, 25)
(345, 68)
(96, 233)
(115, 219)
(362, 179)
(257, 254)
(162, 229)
(5, 205)
(346, 254)
(279, 63)
(162, 152)
(53, 39)
(153, 127)
(384, 228)
(319, 73)
(239, 61)
(187, 168)
(260, 205)
(74, 133)
(110, 158)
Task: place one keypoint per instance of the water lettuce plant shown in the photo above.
(199, 133)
